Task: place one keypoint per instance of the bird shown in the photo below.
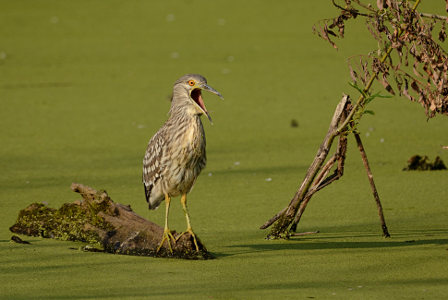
(175, 155)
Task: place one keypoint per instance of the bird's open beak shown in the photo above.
(196, 95)
(212, 90)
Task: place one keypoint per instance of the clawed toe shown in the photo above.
(190, 231)
(167, 236)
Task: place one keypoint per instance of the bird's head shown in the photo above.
(189, 88)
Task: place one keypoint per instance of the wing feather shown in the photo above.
(152, 166)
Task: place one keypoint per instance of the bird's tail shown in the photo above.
(153, 201)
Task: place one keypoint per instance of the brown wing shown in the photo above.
(152, 166)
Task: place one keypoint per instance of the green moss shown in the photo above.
(67, 223)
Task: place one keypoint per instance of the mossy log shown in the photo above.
(104, 224)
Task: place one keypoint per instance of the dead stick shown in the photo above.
(321, 183)
(372, 185)
(286, 216)
(324, 171)
(273, 219)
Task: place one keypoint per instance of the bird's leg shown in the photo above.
(183, 200)
(167, 235)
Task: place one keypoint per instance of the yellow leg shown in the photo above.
(183, 200)
(167, 235)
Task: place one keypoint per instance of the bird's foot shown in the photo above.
(190, 231)
(167, 236)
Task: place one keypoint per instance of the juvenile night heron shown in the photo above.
(176, 153)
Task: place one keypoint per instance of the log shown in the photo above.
(105, 225)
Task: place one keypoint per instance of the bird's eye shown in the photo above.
(191, 82)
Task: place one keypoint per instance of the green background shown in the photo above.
(85, 84)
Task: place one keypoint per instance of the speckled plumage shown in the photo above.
(174, 158)
(176, 153)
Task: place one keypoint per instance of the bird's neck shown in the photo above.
(184, 112)
(186, 124)
(184, 108)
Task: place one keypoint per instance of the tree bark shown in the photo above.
(104, 224)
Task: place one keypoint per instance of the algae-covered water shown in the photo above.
(85, 84)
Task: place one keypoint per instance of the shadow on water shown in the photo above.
(341, 238)
(293, 245)
(343, 241)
